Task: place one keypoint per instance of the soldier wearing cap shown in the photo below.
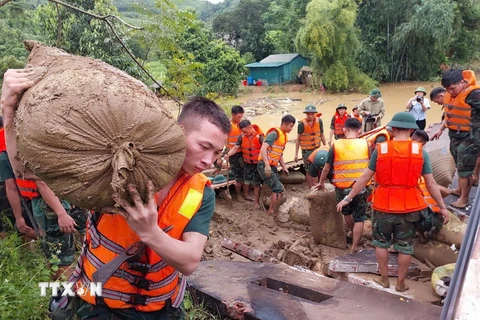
(372, 108)
(338, 123)
(309, 135)
(418, 106)
(397, 202)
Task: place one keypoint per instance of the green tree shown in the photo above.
(328, 37)
(408, 40)
(282, 21)
(83, 35)
(243, 28)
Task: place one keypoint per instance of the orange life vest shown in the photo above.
(350, 158)
(339, 123)
(457, 111)
(144, 284)
(399, 168)
(275, 151)
(3, 145)
(310, 137)
(311, 157)
(27, 188)
(372, 135)
(233, 136)
(359, 117)
(427, 196)
(251, 146)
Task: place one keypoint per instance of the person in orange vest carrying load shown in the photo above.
(397, 202)
(271, 155)
(348, 158)
(338, 122)
(235, 160)
(139, 252)
(310, 136)
(251, 142)
(462, 118)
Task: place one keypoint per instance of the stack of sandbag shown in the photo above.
(443, 165)
(88, 129)
(326, 223)
(453, 232)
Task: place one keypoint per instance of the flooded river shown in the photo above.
(394, 95)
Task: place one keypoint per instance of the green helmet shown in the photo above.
(403, 120)
(310, 109)
(375, 93)
(421, 89)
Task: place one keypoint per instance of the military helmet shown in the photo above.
(403, 120)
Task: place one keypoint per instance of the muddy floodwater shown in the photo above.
(266, 108)
(394, 95)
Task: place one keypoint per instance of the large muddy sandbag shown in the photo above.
(299, 216)
(453, 232)
(437, 253)
(443, 166)
(293, 177)
(326, 223)
(88, 129)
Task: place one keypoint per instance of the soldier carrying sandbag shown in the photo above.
(397, 202)
(139, 252)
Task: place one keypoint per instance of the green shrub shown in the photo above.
(21, 270)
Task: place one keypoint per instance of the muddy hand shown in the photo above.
(15, 82)
(141, 217)
(268, 172)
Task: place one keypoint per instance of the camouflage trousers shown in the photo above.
(306, 163)
(464, 152)
(251, 175)
(236, 166)
(396, 229)
(78, 309)
(273, 181)
(58, 247)
(357, 208)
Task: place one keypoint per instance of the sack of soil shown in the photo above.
(88, 129)
(293, 177)
(453, 232)
(435, 252)
(326, 223)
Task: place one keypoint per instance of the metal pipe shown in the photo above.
(456, 285)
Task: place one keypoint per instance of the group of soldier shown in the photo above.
(386, 166)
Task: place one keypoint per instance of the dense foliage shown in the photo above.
(196, 47)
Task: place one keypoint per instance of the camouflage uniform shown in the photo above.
(273, 181)
(236, 166)
(58, 247)
(251, 175)
(464, 152)
(398, 229)
(358, 207)
(78, 309)
(473, 100)
(305, 155)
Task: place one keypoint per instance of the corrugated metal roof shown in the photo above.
(265, 65)
(276, 58)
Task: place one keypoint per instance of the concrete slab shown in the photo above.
(276, 291)
(366, 261)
